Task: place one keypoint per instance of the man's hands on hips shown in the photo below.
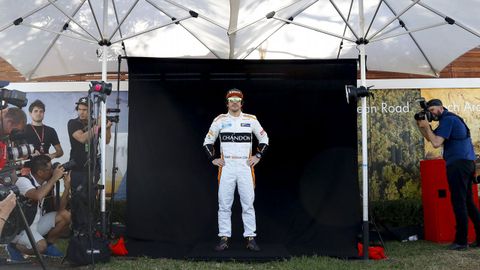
(252, 161)
(218, 162)
(67, 181)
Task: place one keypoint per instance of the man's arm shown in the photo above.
(83, 136)
(109, 132)
(6, 207)
(58, 152)
(263, 140)
(56, 144)
(41, 192)
(66, 192)
(262, 137)
(428, 134)
(209, 141)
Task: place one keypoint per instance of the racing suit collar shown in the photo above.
(230, 115)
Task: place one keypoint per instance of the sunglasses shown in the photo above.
(234, 99)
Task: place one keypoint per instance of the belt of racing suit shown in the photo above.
(235, 157)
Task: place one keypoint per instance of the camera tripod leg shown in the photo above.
(30, 236)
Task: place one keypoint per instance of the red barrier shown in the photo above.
(439, 220)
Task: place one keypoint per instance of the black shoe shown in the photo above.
(475, 244)
(455, 246)
(252, 245)
(223, 244)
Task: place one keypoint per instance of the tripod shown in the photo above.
(86, 246)
(114, 165)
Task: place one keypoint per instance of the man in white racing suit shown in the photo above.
(236, 164)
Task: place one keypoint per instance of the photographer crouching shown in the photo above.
(454, 135)
(46, 228)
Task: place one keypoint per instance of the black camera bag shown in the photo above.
(79, 250)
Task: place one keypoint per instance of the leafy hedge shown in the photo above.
(119, 212)
(398, 213)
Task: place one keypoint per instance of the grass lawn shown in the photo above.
(409, 255)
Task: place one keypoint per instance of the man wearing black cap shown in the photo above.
(81, 135)
(454, 135)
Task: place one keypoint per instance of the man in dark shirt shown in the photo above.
(40, 135)
(454, 135)
(81, 142)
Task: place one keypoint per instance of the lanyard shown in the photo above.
(40, 139)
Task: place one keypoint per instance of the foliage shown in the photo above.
(395, 145)
(398, 213)
(118, 213)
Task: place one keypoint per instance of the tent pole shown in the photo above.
(363, 78)
(103, 122)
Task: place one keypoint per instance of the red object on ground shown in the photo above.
(374, 252)
(119, 248)
(439, 220)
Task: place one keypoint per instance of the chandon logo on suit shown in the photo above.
(235, 137)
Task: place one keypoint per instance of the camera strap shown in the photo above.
(463, 122)
(33, 181)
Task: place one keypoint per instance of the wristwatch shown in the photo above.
(258, 155)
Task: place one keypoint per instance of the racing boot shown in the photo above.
(223, 244)
(251, 244)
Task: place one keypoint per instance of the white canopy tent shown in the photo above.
(46, 37)
(57, 37)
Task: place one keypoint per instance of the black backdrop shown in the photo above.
(307, 194)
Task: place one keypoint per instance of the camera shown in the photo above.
(14, 97)
(67, 166)
(5, 191)
(113, 119)
(424, 114)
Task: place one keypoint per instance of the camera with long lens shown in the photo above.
(20, 151)
(67, 166)
(424, 114)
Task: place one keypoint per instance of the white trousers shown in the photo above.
(236, 172)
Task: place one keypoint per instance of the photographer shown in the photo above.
(6, 207)
(81, 142)
(12, 120)
(35, 187)
(454, 135)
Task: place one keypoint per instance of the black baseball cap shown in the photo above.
(434, 102)
(84, 101)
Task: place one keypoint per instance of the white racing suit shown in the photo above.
(235, 148)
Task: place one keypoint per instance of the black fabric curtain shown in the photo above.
(307, 193)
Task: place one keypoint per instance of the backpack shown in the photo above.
(79, 251)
